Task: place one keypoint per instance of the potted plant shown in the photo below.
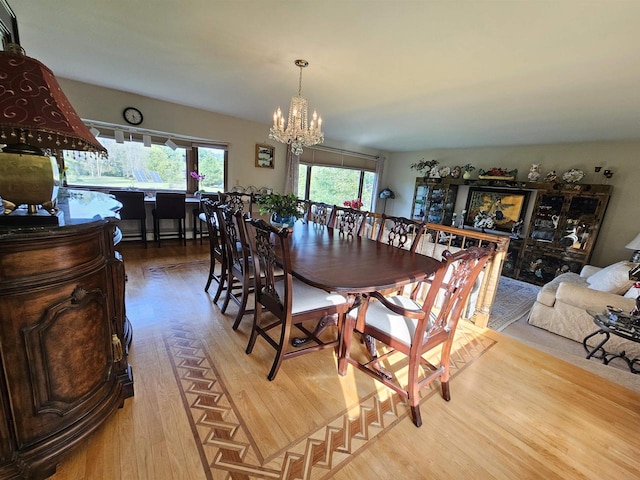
(284, 209)
(467, 169)
(426, 167)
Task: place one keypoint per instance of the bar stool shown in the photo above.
(133, 209)
(170, 206)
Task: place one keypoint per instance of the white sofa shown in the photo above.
(562, 305)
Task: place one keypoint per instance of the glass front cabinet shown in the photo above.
(433, 202)
(563, 229)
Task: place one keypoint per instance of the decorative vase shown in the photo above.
(282, 222)
(466, 175)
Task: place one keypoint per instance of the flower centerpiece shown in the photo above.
(497, 173)
(284, 209)
(198, 178)
(356, 204)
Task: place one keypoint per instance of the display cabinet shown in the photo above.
(562, 231)
(433, 202)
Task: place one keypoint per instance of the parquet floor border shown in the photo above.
(226, 446)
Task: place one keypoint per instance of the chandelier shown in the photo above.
(298, 132)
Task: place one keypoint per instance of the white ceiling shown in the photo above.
(393, 75)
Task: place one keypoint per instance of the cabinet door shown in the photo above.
(581, 224)
(546, 217)
(420, 201)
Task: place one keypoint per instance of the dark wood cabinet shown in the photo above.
(433, 201)
(63, 338)
(562, 231)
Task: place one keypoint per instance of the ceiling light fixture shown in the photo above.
(297, 132)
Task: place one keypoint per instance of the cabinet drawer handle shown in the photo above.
(117, 348)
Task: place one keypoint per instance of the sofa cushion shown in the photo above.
(612, 279)
(547, 294)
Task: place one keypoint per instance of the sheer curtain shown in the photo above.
(377, 182)
(292, 171)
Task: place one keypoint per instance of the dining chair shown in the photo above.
(238, 280)
(319, 213)
(199, 218)
(291, 301)
(405, 326)
(216, 250)
(169, 206)
(133, 208)
(400, 232)
(238, 201)
(347, 221)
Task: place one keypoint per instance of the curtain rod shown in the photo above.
(345, 152)
(128, 128)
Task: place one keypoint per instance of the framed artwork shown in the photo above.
(264, 156)
(495, 209)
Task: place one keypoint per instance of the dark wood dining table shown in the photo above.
(324, 258)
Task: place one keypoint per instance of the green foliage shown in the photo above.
(283, 205)
(424, 166)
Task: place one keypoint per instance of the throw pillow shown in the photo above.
(612, 279)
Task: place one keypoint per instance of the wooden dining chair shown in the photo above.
(238, 201)
(400, 232)
(238, 281)
(319, 213)
(347, 221)
(216, 250)
(404, 325)
(291, 301)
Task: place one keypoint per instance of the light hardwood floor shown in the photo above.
(515, 412)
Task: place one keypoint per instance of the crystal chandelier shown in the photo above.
(298, 132)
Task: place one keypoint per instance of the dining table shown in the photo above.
(323, 257)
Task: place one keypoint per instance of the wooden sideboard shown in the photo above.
(63, 333)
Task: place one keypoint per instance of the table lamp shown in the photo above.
(35, 119)
(635, 246)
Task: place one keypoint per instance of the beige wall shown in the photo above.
(104, 104)
(621, 223)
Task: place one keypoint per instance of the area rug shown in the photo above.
(227, 447)
(513, 301)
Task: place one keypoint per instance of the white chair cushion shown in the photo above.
(398, 326)
(306, 297)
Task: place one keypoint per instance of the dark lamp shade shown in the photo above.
(35, 111)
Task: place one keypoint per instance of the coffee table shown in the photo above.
(611, 324)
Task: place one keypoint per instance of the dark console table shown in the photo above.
(63, 332)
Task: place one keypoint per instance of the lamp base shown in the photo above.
(635, 258)
(28, 179)
(42, 218)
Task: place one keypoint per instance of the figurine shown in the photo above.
(534, 172)
(456, 172)
(516, 230)
(551, 176)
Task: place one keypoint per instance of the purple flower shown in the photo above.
(197, 176)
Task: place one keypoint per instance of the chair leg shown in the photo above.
(224, 273)
(212, 268)
(254, 329)
(284, 340)
(416, 418)
(143, 228)
(243, 302)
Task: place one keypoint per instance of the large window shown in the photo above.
(334, 176)
(154, 166)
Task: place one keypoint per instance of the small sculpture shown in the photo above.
(456, 172)
(551, 176)
(534, 172)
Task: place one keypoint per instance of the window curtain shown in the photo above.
(292, 172)
(377, 182)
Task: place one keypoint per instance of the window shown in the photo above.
(335, 176)
(131, 164)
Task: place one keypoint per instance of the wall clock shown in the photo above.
(132, 115)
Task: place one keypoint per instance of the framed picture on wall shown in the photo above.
(495, 209)
(264, 156)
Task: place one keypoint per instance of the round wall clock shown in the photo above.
(132, 115)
